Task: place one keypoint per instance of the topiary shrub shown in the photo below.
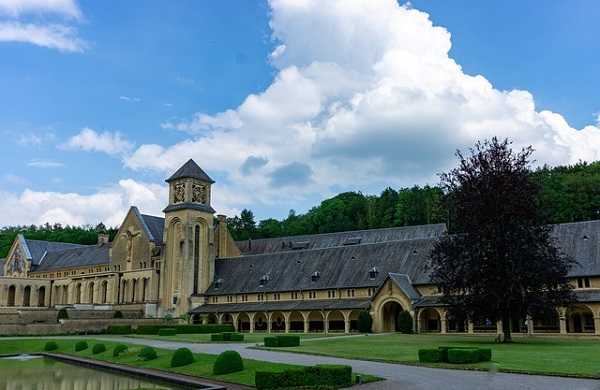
(217, 337)
(271, 341)
(81, 346)
(485, 354)
(50, 346)
(119, 349)
(119, 329)
(147, 353)
(62, 314)
(430, 355)
(463, 356)
(288, 341)
(118, 314)
(167, 332)
(321, 377)
(98, 348)
(236, 337)
(365, 322)
(404, 322)
(182, 357)
(228, 362)
(444, 352)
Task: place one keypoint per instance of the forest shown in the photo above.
(567, 194)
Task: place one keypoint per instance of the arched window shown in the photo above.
(42, 296)
(196, 257)
(104, 291)
(78, 293)
(133, 288)
(144, 289)
(27, 296)
(12, 290)
(91, 293)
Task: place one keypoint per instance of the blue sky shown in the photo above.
(284, 102)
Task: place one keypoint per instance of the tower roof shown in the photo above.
(190, 170)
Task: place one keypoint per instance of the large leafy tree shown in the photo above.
(499, 261)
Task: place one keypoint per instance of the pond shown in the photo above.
(35, 372)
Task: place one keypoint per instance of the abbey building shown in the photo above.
(187, 263)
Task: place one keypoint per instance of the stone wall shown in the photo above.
(72, 327)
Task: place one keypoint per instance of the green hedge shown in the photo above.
(217, 337)
(430, 355)
(98, 348)
(236, 337)
(119, 349)
(320, 376)
(119, 329)
(227, 336)
(228, 362)
(405, 322)
(463, 356)
(483, 354)
(81, 346)
(182, 357)
(147, 353)
(271, 341)
(50, 346)
(444, 352)
(186, 329)
(282, 341)
(167, 332)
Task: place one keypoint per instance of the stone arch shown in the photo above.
(316, 321)
(430, 320)
(580, 319)
(227, 319)
(261, 322)
(212, 318)
(243, 322)
(296, 321)
(134, 286)
(388, 313)
(27, 296)
(277, 322)
(41, 297)
(144, 296)
(12, 292)
(57, 295)
(104, 292)
(65, 294)
(456, 322)
(78, 293)
(90, 292)
(546, 322)
(336, 322)
(124, 286)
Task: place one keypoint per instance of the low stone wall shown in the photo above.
(72, 326)
(29, 316)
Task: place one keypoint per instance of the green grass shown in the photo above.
(249, 338)
(539, 355)
(202, 367)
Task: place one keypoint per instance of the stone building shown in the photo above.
(187, 262)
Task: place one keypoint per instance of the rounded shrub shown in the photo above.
(62, 314)
(228, 362)
(81, 346)
(182, 357)
(365, 322)
(98, 348)
(147, 353)
(463, 355)
(118, 314)
(430, 355)
(119, 349)
(404, 322)
(50, 346)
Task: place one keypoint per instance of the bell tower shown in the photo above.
(189, 262)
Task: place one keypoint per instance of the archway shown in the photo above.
(296, 322)
(429, 321)
(316, 322)
(124, 291)
(580, 319)
(27, 296)
(104, 292)
(144, 289)
(227, 319)
(12, 290)
(336, 322)
(41, 297)
(260, 322)
(547, 322)
(57, 295)
(354, 320)
(78, 293)
(133, 289)
(91, 292)
(196, 319)
(389, 316)
(243, 322)
(212, 318)
(456, 322)
(65, 292)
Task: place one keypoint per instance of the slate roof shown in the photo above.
(581, 240)
(78, 257)
(38, 248)
(337, 304)
(338, 267)
(329, 240)
(190, 170)
(404, 283)
(155, 226)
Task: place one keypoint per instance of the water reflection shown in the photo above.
(47, 374)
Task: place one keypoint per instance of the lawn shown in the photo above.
(202, 367)
(249, 338)
(542, 355)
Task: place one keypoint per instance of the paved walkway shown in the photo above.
(401, 377)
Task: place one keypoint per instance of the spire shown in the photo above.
(190, 170)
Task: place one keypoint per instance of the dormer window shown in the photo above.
(352, 241)
(585, 237)
(218, 283)
(300, 244)
(263, 280)
(373, 272)
(315, 276)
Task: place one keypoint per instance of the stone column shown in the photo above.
(305, 315)
(499, 329)
(251, 317)
(443, 325)
(269, 315)
(529, 321)
(220, 318)
(346, 314)
(470, 327)
(234, 318)
(19, 295)
(562, 317)
(286, 317)
(597, 323)
(325, 315)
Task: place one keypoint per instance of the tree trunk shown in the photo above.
(507, 328)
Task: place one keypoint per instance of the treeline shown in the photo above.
(85, 235)
(567, 194)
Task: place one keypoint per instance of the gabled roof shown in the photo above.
(77, 257)
(37, 248)
(580, 240)
(329, 240)
(155, 226)
(335, 304)
(190, 170)
(405, 285)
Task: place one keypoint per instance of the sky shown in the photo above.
(283, 102)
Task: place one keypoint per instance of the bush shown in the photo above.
(182, 357)
(429, 355)
(463, 356)
(271, 341)
(63, 314)
(186, 329)
(118, 314)
(98, 348)
(147, 353)
(288, 341)
(404, 322)
(119, 349)
(236, 337)
(50, 346)
(485, 354)
(119, 329)
(227, 336)
(217, 337)
(321, 376)
(81, 346)
(228, 362)
(365, 322)
(167, 332)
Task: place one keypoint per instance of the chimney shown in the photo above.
(103, 239)
(222, 236)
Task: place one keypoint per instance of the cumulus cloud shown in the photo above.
(53, 36)
(91, 141)
(15, 8)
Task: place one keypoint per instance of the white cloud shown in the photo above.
(53, 36)
(45, 164)
(34, 139)
(91, 141)
(15, 8)
(130, 99)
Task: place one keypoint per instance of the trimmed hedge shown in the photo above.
(167, 332)
(404, 322)
(217, 337)
(320, 376)
(430, 355)
(119, 349)
(463, 356)
(271, 341)
(186, 329)
(282, 341)
(98, 348)
(236, 337)
(485, 354)
(227, 336)
(182, 357)
(228, 362)
(50, 346)
(444, 352)
(147, 353)
(365, 322)
(81, 346)
(119, 329)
